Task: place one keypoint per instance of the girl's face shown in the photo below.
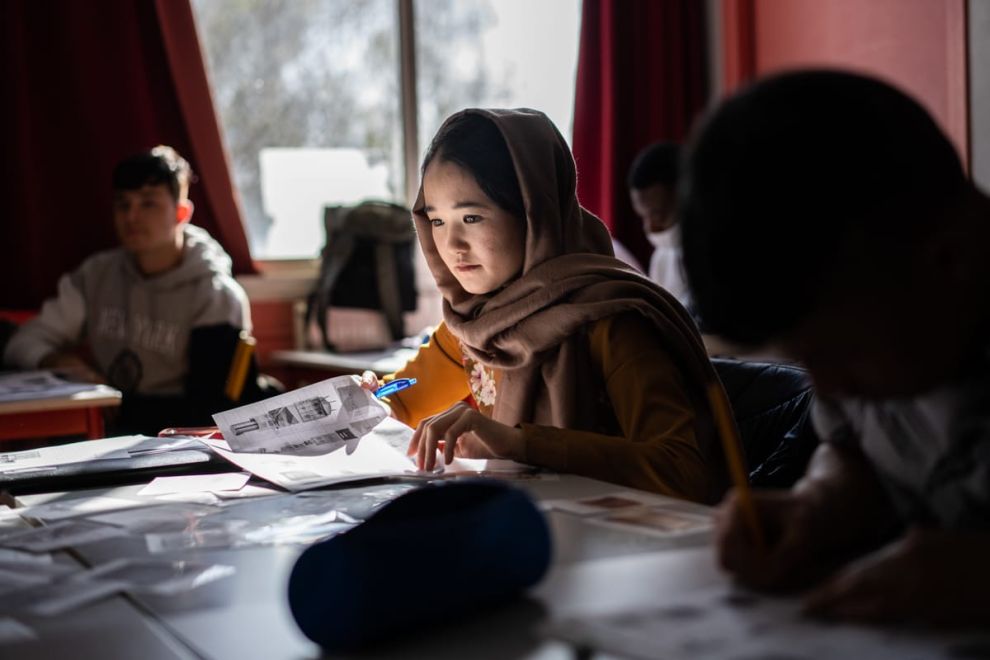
(482, 244)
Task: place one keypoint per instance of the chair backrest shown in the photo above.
(10, 320)
(771, 403)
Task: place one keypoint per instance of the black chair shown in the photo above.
(211, 351)
(771, 403)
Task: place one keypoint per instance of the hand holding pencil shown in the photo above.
(770, 539)
(790, 557)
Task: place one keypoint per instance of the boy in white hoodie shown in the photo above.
(156, 317)
(652, 184)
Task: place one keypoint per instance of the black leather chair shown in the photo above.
(771, 403)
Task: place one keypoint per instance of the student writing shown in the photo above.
(826, 214)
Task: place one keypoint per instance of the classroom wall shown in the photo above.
(919, 45)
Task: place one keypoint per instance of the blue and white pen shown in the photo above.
(396, 385)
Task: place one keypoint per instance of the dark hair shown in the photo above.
(161, 165)
(474, 142)
(781, 180)
(655, 164)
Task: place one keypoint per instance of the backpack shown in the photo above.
(367, 263)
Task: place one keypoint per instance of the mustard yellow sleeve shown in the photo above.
(657, 450)
(440, 379)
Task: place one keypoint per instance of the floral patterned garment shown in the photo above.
(483, 382)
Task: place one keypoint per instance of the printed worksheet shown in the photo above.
(313, 420)
(43, 459)
(373, 456)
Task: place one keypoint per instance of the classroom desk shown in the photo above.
(77, 414)
(247, 616)
(98, 633)
(307, 367)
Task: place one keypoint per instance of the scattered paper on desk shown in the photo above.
(485, 466)
(372, 457)
(607, 503)
(248, 492)
(160, 446)
(197, 483)
(160, 577)
(721, 622)
(14, 577)
(209, 499)
(160, 517)
(312, 420)
(48, 571)
(12, 630)
(636, 512)
(78, 506)
(19, 557)
(656, 521)
(14, 580)
(63, 534)
(64, 596)
(45, 457)
(23, 385)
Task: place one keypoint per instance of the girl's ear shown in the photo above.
(183, 211)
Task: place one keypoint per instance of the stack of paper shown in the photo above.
(23, 385)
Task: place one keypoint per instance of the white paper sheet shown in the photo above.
(372, 457)
(11, 580)
(197, 483)
(78, 506)
(63, 534)
(484, 466)
(721, 622)
(23, 385)
(164, 516)
(26, 559)
(161, 577)
(65, 596)
(312, 420)
(636, 512)
(597, 505)
(37, 460)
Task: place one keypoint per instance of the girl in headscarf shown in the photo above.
(551, 351)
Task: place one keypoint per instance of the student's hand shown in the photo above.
(463, 431)
(930, 576)
(793, 536)
(370, 382)
(71, 367)
(838, 507)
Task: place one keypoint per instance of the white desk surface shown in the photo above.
(98, 397)
(247, 615)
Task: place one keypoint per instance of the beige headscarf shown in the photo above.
(532, 329)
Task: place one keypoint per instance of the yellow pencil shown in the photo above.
(239, 365)
(733, 454)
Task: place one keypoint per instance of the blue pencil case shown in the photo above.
(430, 555)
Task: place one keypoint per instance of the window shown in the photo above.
(499, 54)
(308, 94)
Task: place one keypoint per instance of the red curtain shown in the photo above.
(641, 78)
(86, 84)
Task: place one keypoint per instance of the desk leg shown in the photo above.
(94, 423)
